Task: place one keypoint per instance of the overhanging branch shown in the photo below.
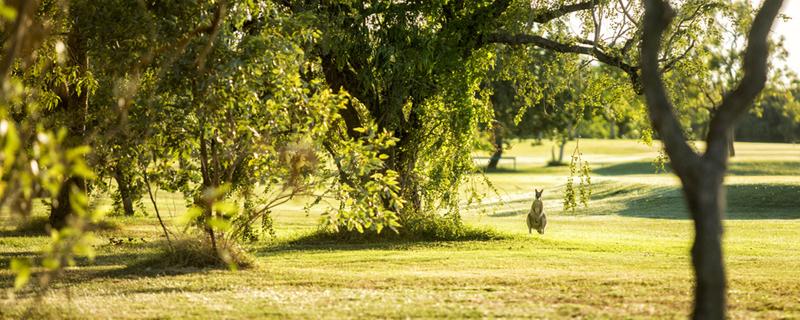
(544, 16)
(593, 51)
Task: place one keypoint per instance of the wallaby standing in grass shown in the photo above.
(536, 218)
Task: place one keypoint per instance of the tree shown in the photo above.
(416, 70)
(702, 174)
(36, 161)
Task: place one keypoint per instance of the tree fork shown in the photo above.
(702, 176)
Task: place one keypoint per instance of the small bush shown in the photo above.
(197, 252)
(429, 228)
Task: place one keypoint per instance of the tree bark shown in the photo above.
(731, 139)
(705, 197)
(123, 186)
(60, 209)
(612, 130)
(498, 149)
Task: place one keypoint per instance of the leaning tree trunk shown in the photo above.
(702, 175)
(498, 150)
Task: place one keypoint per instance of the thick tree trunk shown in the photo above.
(123, 186)
(74, 105)
(561, 147)
(403, 160)
(60, 209)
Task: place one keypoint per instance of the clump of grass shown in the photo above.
(197, 252)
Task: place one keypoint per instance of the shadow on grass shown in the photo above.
(6, 257)
(528, 169)
(630, 168)
(746, 168)
(39, 226)
(744, 202)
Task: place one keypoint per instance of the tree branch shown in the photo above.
(19, 30)
(544, 16)
(594, 51)
(736, 102)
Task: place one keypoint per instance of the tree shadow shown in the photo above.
(6, 257)
(738, 168)
(630, 168)
(744, 202)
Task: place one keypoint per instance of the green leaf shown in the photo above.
(50, 263)
(227, 208)
(190, 215)
(22, 268)
(218, 223)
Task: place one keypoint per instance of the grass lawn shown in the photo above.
(624, 257)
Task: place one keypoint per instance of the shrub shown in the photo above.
(427, 228)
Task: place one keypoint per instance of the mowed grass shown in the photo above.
(624, 257)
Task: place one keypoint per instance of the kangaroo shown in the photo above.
(536, 218)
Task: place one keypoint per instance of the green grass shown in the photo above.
(624, 257)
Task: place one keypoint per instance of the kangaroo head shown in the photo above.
(539, 193)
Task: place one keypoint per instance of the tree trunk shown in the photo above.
(74, 105)
(498, 150)
(705, 197)
(612, 130)
(403, 160)
(60, 209)
(561, 147)
(123, 185)
(731, 138)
